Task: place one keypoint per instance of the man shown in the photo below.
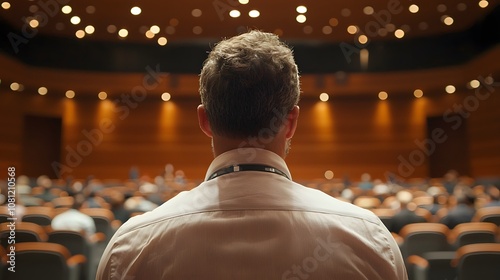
(406, 214)
(248, 219)
(75, 220)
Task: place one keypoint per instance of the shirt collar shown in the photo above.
(247, 156)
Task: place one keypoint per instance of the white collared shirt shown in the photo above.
(252, 225)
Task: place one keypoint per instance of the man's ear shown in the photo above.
(203, 121)
(291, 122)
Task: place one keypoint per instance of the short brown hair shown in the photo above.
(247, 81)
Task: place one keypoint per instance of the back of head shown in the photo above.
(249, 83)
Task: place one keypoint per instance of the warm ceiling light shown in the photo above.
(135, 11)
(461, 7)
(89, 29)
(197, 30)
(162, 41)
(413, 9)
(90, 9)
(483, 4)
(149, 34)
(234, 13)
(450, 89)
(111, 28)
(80, 34)
(75, 20)
(382, 95)
(327, 29)
(399, 33)
(102, 95)
(34, 8)
(301, 9)
(155, 29)
(15, 86)
(66, 9)
(70, 94)
(6, 5)
(324, 97)
(418, 93)
(362, 39)
(166, 96)
(123, 33)
(474, 84)
(254, 13)
(333, 22)
(448, 20)
(42, 90)
(301, 18)
(489, 80)
(368, 10)
(243, 2)
(441, 8)
(345, 12)
(352, 29)
(34, 23)
(196, 13)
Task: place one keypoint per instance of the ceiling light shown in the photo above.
(382, 95)
(418, 93)
(66, 9)
(75, 20)
(80, 34)
(489, 80)
(461, 7)
(441, 8)
(483, 4)
(474, 84)
(301, 18)
(149, 34)
(329, 174)
(327, 29)
(42, 90)
(174, 22)
(352, 29)
(333, 22)
(399, 33)
(368, 10)
(14, 86)
(102, 95)
(6, 5)
(34, 23)
(196, 13)
(301, 9)
(89, 29)
(447, 20)
(254, 13)
(155, 29)
(166, 96)
(413, 9)
(123, 33)
(111, 28)
(162, 41)
(90, 9)
(135, 11)
(234, 13)
(324, 97)
(243, 2)
(70, 94)
(363, 39)
(450, 89)
(197, 30)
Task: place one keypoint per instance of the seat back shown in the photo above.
(420, 238)
(472, 233)
(41, 261)
(478, 261)
(24, 232)
(40, 215)
(102, 219)
(488, 214)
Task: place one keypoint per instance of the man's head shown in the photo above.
(249, 83)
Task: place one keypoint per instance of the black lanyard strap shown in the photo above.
(247, 167)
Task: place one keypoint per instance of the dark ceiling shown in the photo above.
(438, 34)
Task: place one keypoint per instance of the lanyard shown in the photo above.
(247, 167)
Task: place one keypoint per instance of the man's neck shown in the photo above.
(221, 145)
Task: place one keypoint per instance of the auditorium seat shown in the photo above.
(488, 214)
(367, 202)
(104, 220)
(385, 215)
(420, 238)
(432, 266)
(478, 261)
(472, 233)
(41, 215)
(25, 232)
(63, 202)
(45, 261)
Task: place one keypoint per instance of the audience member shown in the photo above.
(493, 196)
(463, 212)
(248, 219)
(406, 214)
(73, 219)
